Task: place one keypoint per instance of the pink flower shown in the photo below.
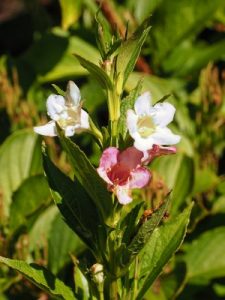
(156, 151)
(123, 172)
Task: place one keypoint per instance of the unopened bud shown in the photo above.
(97, 273)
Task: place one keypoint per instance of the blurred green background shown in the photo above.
(184, 56)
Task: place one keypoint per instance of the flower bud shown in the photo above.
(97, 273)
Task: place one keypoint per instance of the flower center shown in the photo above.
(119, 174)
(145, 126)
(69, 117)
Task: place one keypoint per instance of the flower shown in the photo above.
(147, 124)
(123, 172)
(67, 112)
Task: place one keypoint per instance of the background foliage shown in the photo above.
(183, 56)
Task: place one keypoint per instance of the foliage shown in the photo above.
(178, 51)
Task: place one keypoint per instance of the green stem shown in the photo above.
(135, 278)
(113, 290)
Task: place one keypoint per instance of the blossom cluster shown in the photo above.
(147, 125)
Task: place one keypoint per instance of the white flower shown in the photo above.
(67, 112)
(147, 124)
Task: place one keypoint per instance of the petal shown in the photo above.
(69, 130)
(163, 114)
(132, 119)
(139, 178)
(123, 194)
(131, 157)
(143, 144)
(164, 136)
(73, 93)
(48, 129)
(109, 158)
(84, 119)
(142, 105)
(55, 105)
(103, 174)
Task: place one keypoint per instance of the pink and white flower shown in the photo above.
(147, 124)
(123, 171)
(67, 112)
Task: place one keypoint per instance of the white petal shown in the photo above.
(142, 105)
(132, 119)
(69, 130)
(163, 114)
(49, 129)
(84, 119)
(164, 136)
(123, 194)
(73, 93)
(55, 105)
(143, 144)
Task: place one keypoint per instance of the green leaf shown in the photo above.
(41, 277)
(208, 180)
(144, 233)
(205, 256)
(70, 10)
(178, 173)
(159, 87)
(41, 228)
(88, 177)
(74, 204)
(97, 72)
(182, 20)
(188, 58)
(81, 284)
(32, 194)
(130, 50)
(127, 103)
(61, 243)
(59, 90)
(61, 63)
(163, 243)
(20, 157)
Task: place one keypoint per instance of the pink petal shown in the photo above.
(123, 194)
(139, 178)
(109, 158)
(131, 157)
(103, 174)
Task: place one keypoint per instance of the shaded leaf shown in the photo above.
(40, 276)
(20, 157)
(96, 71)
(144, 233)
(32, 194)
(88, 177)
(70, 10)
(205, 256)
(163, 243)
(74, 204)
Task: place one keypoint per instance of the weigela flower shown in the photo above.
(123, 172)
(147, 124)
(67, 112)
